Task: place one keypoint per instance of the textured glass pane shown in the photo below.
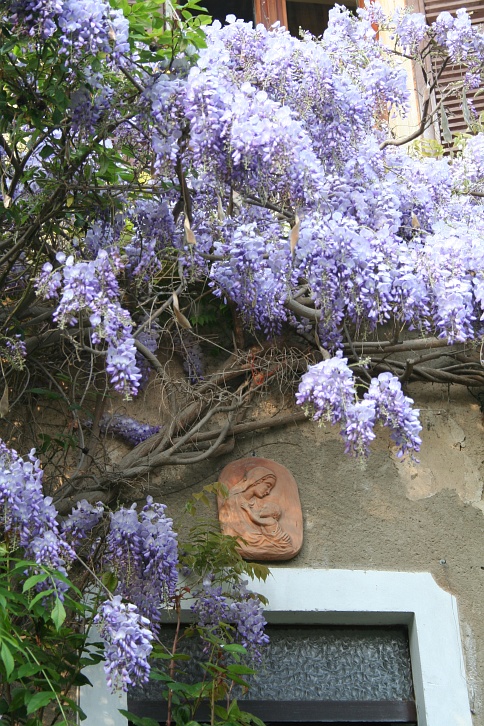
(347, 664)
(319, 663)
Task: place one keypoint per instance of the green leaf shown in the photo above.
(221, 712)
(34, 580)
(40, 596)
(28, 669)
(39, 700)
(254, 719)
(241, 670)
(234, 709)
(238, 680)
(109, 580)
(81, 680)
(182, 714)
(58, 614)
(262, 572)
(47, 151)
(7, 659)
(465, 110)
(182, 687)
(234, 648)
(59, 576)
(19, 696)
(160, 677)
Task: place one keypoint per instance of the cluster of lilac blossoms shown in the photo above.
(394, 410)
(328, 393)
(148, 338)
(142, 550)
(153, 230)
(28, 517)
(259, 103)
(380, 234)
(128, 642)
(15, 351)
(133, 432)
(82, 520)
(238, 607)
(91, 289)
(84, 25)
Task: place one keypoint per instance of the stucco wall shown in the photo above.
(386, 514)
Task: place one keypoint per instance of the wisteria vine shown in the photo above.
(170, 186)
(271, 173)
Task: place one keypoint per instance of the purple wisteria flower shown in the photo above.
(28, 517)
(457, 35)
(253, 271)
(142, 550)
(38, 16)
(153, 231)
(327, 389)
(15, 351)
(126, 427)
(216, 608)
(410, 29)
(128, 643)
(82, 520)
(394, 409)
(149, 338)
(327, 392)
(292, 122)
(91, 288)
(210, 607)
(88, 108)
(90, 26)
(247, 616)
(358, 430)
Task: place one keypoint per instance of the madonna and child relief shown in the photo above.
(262, 509)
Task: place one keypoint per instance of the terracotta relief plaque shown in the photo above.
(262, 509)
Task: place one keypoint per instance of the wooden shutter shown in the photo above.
(434, 7)
(268, 12)
(453, 74)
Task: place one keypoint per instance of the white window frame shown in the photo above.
(356, 597)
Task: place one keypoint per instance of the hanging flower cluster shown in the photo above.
(91, 288)
(128, 643)
(133, 432)
(85, 25)
(329, 394)
(142, 550)
(28, 517)
(215, 606)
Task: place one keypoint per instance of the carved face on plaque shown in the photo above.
(262, 509)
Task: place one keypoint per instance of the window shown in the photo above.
(364, 598)
(453, 74)
(293, 14)
(312, 674)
